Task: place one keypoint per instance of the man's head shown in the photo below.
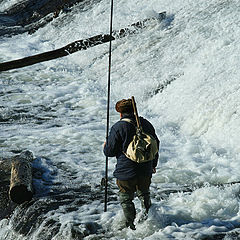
(124, 106)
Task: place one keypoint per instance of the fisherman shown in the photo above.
(131, 176)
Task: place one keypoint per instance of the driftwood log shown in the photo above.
(61, 52)
(21, 189)
(77, 45)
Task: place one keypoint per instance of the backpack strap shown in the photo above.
(129, 121)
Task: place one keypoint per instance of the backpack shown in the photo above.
(143, 147)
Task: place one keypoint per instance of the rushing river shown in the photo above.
(184, 73)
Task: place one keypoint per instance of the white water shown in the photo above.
(196, 116)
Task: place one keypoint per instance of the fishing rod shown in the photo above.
(108, 104)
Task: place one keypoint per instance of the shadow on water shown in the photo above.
(26, 113)
(167, 23)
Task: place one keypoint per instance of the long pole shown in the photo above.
(108, 104)
(136, 113)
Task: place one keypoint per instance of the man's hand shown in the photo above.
(154, 170)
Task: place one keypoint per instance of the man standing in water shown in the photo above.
(131, 176)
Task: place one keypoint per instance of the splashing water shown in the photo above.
(183, 73)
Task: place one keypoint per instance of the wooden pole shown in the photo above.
(21, 189)
(61, 52)
(77, 46)
(136, 114)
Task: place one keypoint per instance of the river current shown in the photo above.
(184, 74)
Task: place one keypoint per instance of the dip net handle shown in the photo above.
(108, 104)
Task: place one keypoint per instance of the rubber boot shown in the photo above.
(128, 208)
(146, 204)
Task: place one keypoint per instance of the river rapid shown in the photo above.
(184, 73)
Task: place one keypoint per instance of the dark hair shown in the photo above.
(124, 106)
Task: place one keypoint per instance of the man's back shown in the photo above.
(120, 136)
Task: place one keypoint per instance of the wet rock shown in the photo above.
(39, 215)
(30, 15)
(6, 206)
(53, 199)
